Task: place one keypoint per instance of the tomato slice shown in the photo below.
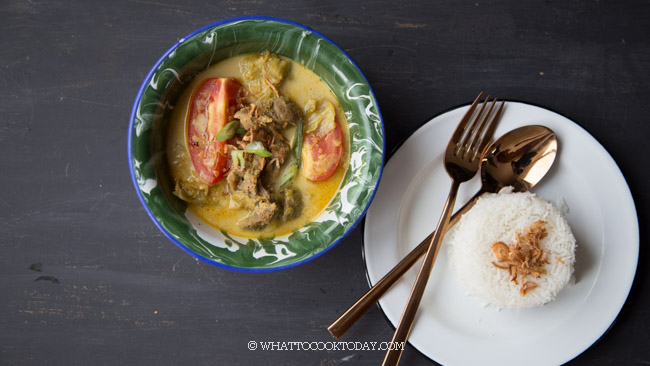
(321, 155)
(211, 107)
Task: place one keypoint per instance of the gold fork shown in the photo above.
(461, 161)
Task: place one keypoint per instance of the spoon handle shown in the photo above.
(356, 311)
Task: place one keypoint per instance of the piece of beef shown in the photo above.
(193, 192)
(233, 178)
(283, 112)
(273, 140)
(264, 122)
(244, 183)
(245, 116)
(248, 183)
(279, 148)
(247, 191)
(292, 204)
(238, 198)
(260, 216)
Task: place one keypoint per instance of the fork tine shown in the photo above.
(485, 131)
(468, 133)
(479, 127)
(458, 133)
(489, 132)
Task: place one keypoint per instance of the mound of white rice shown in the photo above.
(500, 217)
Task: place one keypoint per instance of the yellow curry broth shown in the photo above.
(300, 85)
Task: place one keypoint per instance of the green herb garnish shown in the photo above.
(228, 131)
(288, 174)
(258, 149)
(291, 169)
(238, 158)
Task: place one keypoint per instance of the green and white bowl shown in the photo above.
(164, 84)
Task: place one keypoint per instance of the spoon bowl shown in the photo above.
(519, 158)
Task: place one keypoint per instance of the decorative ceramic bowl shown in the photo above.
(164, 84)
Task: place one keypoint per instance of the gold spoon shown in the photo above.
(520, 159)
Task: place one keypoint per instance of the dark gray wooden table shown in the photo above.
(87, 279)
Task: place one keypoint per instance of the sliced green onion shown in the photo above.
(297, 142)
(291, 168)
(238, 158)
(227, 131)
(258, 149)
(241, 131)
(288, 174)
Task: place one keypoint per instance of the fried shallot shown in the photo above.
(524, 258)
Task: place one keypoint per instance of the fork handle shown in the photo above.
(406, 321)
(365, 302)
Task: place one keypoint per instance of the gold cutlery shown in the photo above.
(462, 161)
(519, 159)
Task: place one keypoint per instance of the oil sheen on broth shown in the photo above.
(306, 93)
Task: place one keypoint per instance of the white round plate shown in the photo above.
(451, 327)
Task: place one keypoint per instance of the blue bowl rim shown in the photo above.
(137, 186)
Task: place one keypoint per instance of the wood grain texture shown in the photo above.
(86, 278)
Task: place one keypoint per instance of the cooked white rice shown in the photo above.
(500, 217)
